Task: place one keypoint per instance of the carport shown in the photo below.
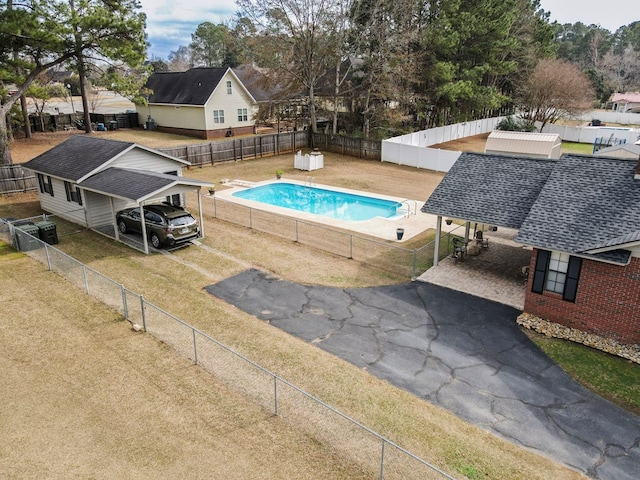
(139, 188)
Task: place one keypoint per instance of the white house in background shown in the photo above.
(626, 102)
(87, 179)
(524, 144)
(201, 102)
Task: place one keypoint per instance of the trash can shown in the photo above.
(48, 232)
(101, 127)
(25, 240)
(113, 125)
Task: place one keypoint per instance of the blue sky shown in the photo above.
(170, 23)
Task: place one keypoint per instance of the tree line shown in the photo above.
(389, 66)
(404, 65)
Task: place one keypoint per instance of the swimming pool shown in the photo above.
(320, 201)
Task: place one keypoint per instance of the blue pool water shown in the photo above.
(320, 201)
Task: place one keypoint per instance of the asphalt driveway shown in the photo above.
(457, 351)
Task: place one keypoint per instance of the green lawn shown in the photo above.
(573, 147)
(612, 377)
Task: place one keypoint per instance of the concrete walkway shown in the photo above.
(456, 350)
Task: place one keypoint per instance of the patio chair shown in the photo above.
(459, 249)
(480, 240)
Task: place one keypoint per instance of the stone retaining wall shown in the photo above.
(550, 329)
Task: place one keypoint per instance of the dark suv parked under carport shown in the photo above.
(166, 225)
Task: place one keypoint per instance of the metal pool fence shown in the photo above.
(383, 255)
(374, 453)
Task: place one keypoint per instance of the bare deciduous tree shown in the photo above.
(555, 89)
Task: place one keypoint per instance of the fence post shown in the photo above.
(144, 317)
(195, 347)
(415, 264)
(46, 251)
(125, 309)
(84, 276)
(275, 395)
(382, 460)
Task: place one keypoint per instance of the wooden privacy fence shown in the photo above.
(243, 148)
(240, 148)
(14, 178)
(354, 147)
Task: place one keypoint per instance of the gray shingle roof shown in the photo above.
(578, 204)
(587, 203)
(76, 157)
(193, 87)
(490, 189)
(134, 184)
(128, 183)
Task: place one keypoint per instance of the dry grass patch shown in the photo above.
(85, 397)
(184, 413)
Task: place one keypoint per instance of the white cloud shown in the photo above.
(171, 23)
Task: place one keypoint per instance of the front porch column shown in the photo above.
(467, 227)
(200, 213)
(436, 246)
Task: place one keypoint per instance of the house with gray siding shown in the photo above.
(87, 179)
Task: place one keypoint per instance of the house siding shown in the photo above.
(175, 116)
(606, 303)
(99, 210)
(144, 160)
(58, 204)
(221, 100)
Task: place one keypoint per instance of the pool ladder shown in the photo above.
(408, 204)
(310, 182)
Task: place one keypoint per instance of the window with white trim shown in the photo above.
(218, 116)
(557, 272)
(242, 115)
(73, 194)
(45, 184)
(229, 92)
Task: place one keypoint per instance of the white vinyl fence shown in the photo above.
(589, 135)
(413, 149)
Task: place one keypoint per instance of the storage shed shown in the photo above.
(526, 144)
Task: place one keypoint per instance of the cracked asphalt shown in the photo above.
(461, 352)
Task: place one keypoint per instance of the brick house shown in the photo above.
(581, 216)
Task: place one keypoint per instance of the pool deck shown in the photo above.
(414, 222)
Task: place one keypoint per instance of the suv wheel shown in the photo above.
(155, 240)
(122, 226)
